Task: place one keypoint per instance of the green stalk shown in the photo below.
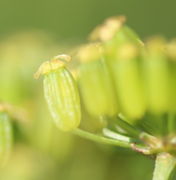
(164, 165)
(130, 129)
(101, 139)
(113, 135)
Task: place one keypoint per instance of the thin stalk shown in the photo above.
(101, 139)
(114, 135)
(164, 166)
(131, 130)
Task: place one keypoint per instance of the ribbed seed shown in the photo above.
(97, 89)
(61, 92)
(114, 28)
(124, 36)
(95, 82)
(63, 99)
(128, 83)
(157, 78)
(5, 137)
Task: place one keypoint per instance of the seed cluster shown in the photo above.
(117, 77)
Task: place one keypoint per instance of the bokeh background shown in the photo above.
(74, 19)
(33, 31)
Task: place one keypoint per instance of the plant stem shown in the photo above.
(164, 165)
(101, 139)
(131, 130)
(114, 135)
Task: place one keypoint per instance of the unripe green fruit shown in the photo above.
(114, 33)
(95, 83)
(61, 94)
(114, 28)
(157, 77)
(127, 77)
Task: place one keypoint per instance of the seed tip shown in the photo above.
(108, 29)
(62, 57)
(55, 63)
(90, 52)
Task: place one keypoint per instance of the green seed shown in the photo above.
(114, 33)
(128, 82)
(114, 28)
(61, 94)
(157, 78)
(95, 83)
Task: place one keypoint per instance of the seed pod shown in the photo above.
(5, 136)
(128, 82)
(95, 82)
(157, 78)
(61, 93)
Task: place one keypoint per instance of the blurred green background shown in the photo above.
(34, 31)
(74, 19)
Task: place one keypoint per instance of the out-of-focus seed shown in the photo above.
(114, 28)
(95, 82)
(157, 76)
(127, 77)
(114, 33)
